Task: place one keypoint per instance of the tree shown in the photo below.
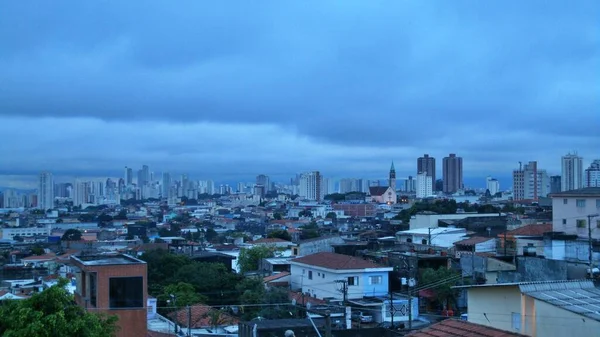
(53, 312)
(280, 234)
(310, 231)
(210, 234)
(335, 197)
(250, 258)
(18, 238)
(59, 220)
(331, 215)
(445, 295)
(72, 235)
(37, 250)
(105, 218)
(277, 216)
(122, 215)
(305, 213)
(185, 294)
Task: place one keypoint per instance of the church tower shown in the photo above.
(392, 181)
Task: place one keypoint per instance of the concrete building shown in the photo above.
(440, 237)
(570, 211)
(572, 172)
(492, 185)
(427, 164)
(431, 220)
(555, 184)
(310, 185)
(410, 185)
(452, 173)
(45, 191)
(166, 185)
(592, 174)
(114, 285)
(530, 182)
(424, 185)
(537, 309)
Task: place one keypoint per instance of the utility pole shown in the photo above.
(505, 247)
(590, 250)
(327, 323)
(473, 263)
(409, 306)
(392, 311)
(344, 290)
(189, 318)
(429, 236)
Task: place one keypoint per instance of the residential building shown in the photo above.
(492, 185)
(473, 245)
(592, 174)
(530, 182)
(24, 232)
(348, 185)
(128, 176)
(410, 185)
(310, 185)
(555, 184)
(46, 191)
(424, 185)
(81, 192)
(427, 164)
(316, 245)
(537, 309)
(456, 327)
(571, 211)
(358, 210)
(572, 172)
(431, 220)
(440, 237)
(166, 185)
(452, 173)
(324, 275)
(114, 285)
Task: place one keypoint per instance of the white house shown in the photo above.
(571, 211)
(430, 219)
(475, 244)
(441, 237)
(326, 275)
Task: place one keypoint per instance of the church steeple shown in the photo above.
(392, 181)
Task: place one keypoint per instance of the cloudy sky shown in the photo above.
(227, 89)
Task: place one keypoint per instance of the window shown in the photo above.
(516, 321)
(597, 203)
(352, 281)
(126, 292)
(323, 275)
(93, 288)
(310, 274)
(580, 202)
(564, 221)
(581, 223)
(375, 279)
(565, 201)
(597, 223)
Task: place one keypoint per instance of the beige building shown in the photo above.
(538, 309)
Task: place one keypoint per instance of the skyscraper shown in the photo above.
(592, 174)
(310, 185)
(492, 185)
(128, 176)
(145, 174)
(427, 164)
(166, 184)
(424, 185)
(530, 182)
(452, 173)
(46, 191)
(572, 172)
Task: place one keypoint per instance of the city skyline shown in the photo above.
(227, 91)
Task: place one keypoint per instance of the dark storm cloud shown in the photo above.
(331, 70)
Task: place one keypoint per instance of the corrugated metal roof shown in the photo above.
(580, 297)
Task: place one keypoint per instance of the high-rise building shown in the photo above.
(572, 172)
(410, 185)
(348, 185)
(555, 184)
(392, 179)
(310, 185)
(166, 185)
(592, 174)
(427, 164)
(452, 173)
(424, 185)
(128, 176)
(145, 174)
(81, 192)
(530, 182)
(492, 185)
(327, 186)
(46, 191)
(263, 180)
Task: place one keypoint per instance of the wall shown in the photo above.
(551, 321)
(318, 245)
(497, 303)
(431, 220)
(571, 213)
(535, 269)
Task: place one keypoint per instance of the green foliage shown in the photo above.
(277, 216)
(310, 231)
(185, 294)
(254, 292)
(331, 215)
(335, 197)
(280, 234)
(122, 215)
(72, 235)
(305, 213)
(210, 234)
(444, 293)
(37, 250)
(105, 218)
(250, 258)
(52, 313)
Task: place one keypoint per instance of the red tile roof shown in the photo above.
(276, 276)
(473, 241)
(160, 334)
(202, 317)
(335, 261)
(45, 257)
(304, 299)
(529, 230)
(459, 328)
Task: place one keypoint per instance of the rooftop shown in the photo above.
(459, 328)
(336, 261)
(473, 240)
(106, 260)
(581, 192)
(432, 231)
(529, 230)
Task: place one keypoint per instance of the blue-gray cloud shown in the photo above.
(481, 78)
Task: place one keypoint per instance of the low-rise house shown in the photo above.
(441, 237)
(277, 280)
(544, 309)
(316, 245)
(271, 242)
(474, 245)
(328, 275)
(455, 327)
(198, 318)
(527, 240)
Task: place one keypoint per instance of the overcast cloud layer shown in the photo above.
(230, 89)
